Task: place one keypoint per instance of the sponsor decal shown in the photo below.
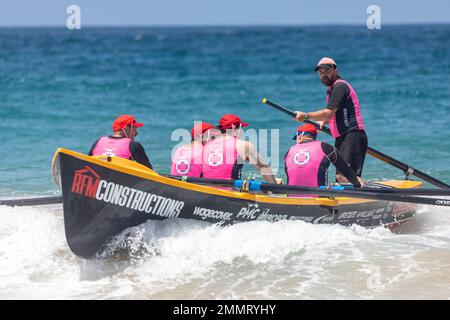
(220, 223)
(86, 182)
(301, 158)
(182, 164)
(324, 219)
(206, 213)
(253, 212)
(376, 217)
(348, 215)
(271, 217)
(365, 214)
(249, 212)
(215, 159)
(302, 218)
(345, 112)
(443, 202)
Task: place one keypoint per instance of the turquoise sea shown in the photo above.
(61, 88)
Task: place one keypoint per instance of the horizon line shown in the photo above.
(223, 25)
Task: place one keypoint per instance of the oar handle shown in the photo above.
(408, 170)
(278, 107)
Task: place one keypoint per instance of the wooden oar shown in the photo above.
(407, 169)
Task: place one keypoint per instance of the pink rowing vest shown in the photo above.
(118, 147)
(187, 161)
(220, 159)
(347, 117)
(307, 165)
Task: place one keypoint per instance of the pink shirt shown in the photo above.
(307, 165)
(187, 160)
(220, 159)
(348, 116)
(108, 146)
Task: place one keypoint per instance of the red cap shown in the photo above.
(201, 128)
(229, 119)
(124, 121)
(306, 128)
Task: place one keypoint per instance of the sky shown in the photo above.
(220, 12)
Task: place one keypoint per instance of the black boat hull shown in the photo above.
(101, 199)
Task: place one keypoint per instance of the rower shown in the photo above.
(187, 159)
(224, 157)
(307, 162)
(121, 143)
(344, 115)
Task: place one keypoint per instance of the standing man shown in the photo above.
(343, 114)
(121, 143)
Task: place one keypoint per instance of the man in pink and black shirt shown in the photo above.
(343, 114)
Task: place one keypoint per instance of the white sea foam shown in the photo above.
(181, 259)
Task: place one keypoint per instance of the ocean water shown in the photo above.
(61, 88)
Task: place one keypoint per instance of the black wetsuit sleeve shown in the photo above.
(285, 167)
(337, 96)
(335, 158)
(93, 147)
(139, 155)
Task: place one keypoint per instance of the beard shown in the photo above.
(326, 81)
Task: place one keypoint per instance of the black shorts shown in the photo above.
(353, 147)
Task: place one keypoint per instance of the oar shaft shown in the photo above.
(251, 185)
(203, 181)
(410, 196)
(408, 170)
(31, 201)
(353, 194)
(409, 191)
